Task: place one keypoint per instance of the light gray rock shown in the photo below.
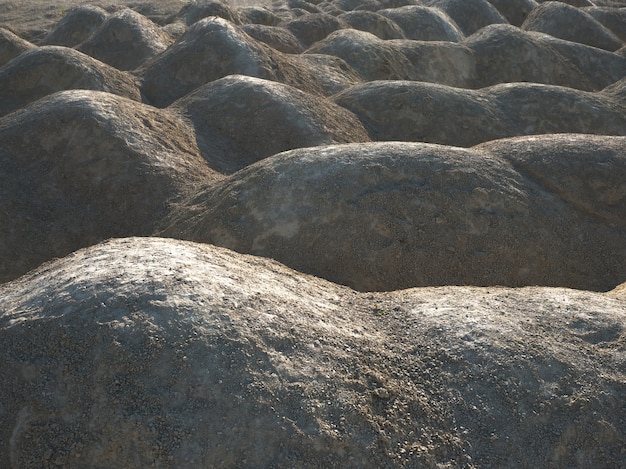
(126, 40)
(91, 165)
(387, 216)
(374, 23)
(76, 26)
(572, 24)
(11, 45)
(45, 70)
(145, 351)
(422, 23)
(469, 15)
(240, 120)
(424, 112)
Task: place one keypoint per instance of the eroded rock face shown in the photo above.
(150, 351)
(572, 24)
(126, 40)
(92, 165)
(387, 216)
(45, 70)
(11, 45)
(469, 15)
(76, 26)
(374, 23)
(196, 10)
(515, 11)
(310, 29)
(613, 19)
(424, 23)
(415, 111)
(505, 54)
(275, 117)
(276, 37)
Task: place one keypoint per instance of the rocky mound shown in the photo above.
(501, 160)
(144, 352)
(76, 26)
(387, 216)
(214, 48)
(126, 40)
(425, 112)
(92, 165)
(276, 117)
(424, 24)
(572, 24)
(11, 46)
(469, 15)
(45, 70)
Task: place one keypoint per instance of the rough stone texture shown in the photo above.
(46, 70)
(424, 112)
(469, 15)
(448, 63)
(92, 165)
(76, 26)
(374, 23)
(424, 23)
(196, 10)
(142, 352)
(613, 19)
(258, 15)
(276, 37)
(214, 48)
(11, 45)
(126, 40)
(387, 216)
(275, 117)
(515, 11)
(572, 24)
(507, 54)
(310, 29)
(373, 58)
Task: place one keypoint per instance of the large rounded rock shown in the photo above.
(46, 70)
(91, 165)
(374, 23)
(422, 23)
(515, 11)
(258, 15)
(572, 24)
(11, 45)
(614, 19)
(145, 351)
(373, 58)
(507, 54)
(276, 37)
(214, 48)
(444, 62)
(240, 120)
(126, 40)
(387, 216)
(312, 28)
(423, 112)
(469, 15)
(76, 26)
(196, 10)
